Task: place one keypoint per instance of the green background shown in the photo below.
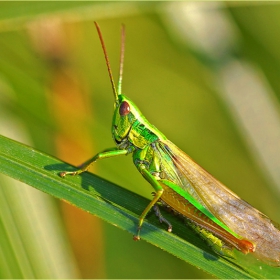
(55, 95)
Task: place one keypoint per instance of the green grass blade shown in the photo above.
(119, 207)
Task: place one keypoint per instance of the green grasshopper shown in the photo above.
(219, 216)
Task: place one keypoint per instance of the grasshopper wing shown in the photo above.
(238, 215)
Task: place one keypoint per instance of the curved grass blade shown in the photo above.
(119, 207)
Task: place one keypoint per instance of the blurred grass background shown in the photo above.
(205, 74)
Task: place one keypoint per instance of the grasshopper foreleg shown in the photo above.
(85, 166)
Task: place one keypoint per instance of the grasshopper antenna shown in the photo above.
(116, 92)
(107, 61)
(121, 60)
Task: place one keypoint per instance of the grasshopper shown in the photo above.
(218, 215)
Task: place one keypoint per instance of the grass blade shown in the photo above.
(119, 207)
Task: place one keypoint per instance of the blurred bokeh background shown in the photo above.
(205, 73)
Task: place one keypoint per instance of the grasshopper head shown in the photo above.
(125, 115)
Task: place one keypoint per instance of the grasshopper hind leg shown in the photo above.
(216, 244)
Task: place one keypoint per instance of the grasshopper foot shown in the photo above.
(64, 173)
(162, 219)
(136, 237)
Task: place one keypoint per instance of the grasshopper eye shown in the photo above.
(124, 109)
